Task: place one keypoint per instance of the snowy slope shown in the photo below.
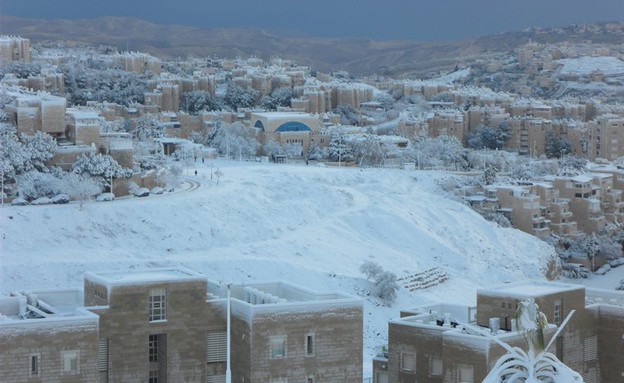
(310, 225)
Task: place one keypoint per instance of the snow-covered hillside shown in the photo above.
(310, 225)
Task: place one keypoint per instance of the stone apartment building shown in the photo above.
(433, 344)
(522, 207)
(32, 112)
(14, 48)
(170, 325)
(285, 333)
(47, 336)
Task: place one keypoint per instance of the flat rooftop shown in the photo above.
(144, 276)
(42, 306)
(525, 289)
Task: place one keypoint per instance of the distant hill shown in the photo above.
(358, 56)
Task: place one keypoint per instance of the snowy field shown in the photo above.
(310, 225)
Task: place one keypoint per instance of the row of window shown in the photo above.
(70, 363)
(279, 350)
(407, 362)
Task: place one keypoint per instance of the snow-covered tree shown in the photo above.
(197, 101)
(489, 137)
(238, 97)
(81, 187)
(339, 149)
(278, 98)
(489, 175)
(103, 167)
(271, 147)
(147, 128)
(29, 154)
(369, 151)
(557, 146)
(41, 148)
(33, 184)
(235, 140)
(293, 150)
(386, 283)
(442, 151)
(371, 269)
(348, 114)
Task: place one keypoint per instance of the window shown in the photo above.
(408, 362)
(34, 360)
(557, 312)
(70, 360)
(310, 379)
(153, 348)
(309, 344)
(153, 376)
(278, 347)
(466, 374)
(157, 305)
(381, 377)
(435, 366)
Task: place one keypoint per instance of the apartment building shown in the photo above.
(584, 198)
(47, 336)
(32, 112)
(14, 48)
(446, 342)
(286, 333)
(606, 137)
(555, 209)
(522, 208)
(170, 325)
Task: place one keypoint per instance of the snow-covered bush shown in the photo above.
(497, 218)
(574, 271)
(371, 269)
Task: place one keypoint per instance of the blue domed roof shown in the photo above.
(293, 126)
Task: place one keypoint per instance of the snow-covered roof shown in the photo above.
(249, 300)
(46, 307)
(145, 276)
(526, 289)
(282, 115)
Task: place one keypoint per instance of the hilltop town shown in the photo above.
(530, 138)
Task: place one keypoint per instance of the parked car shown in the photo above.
(41, 201)
(141, 192)
(105, 197)
(60, 199)
(19, 202)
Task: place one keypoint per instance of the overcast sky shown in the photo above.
(377, 19)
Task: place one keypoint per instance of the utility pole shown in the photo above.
(228, 371)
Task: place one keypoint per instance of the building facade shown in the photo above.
(170, 325)
(446, 343)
